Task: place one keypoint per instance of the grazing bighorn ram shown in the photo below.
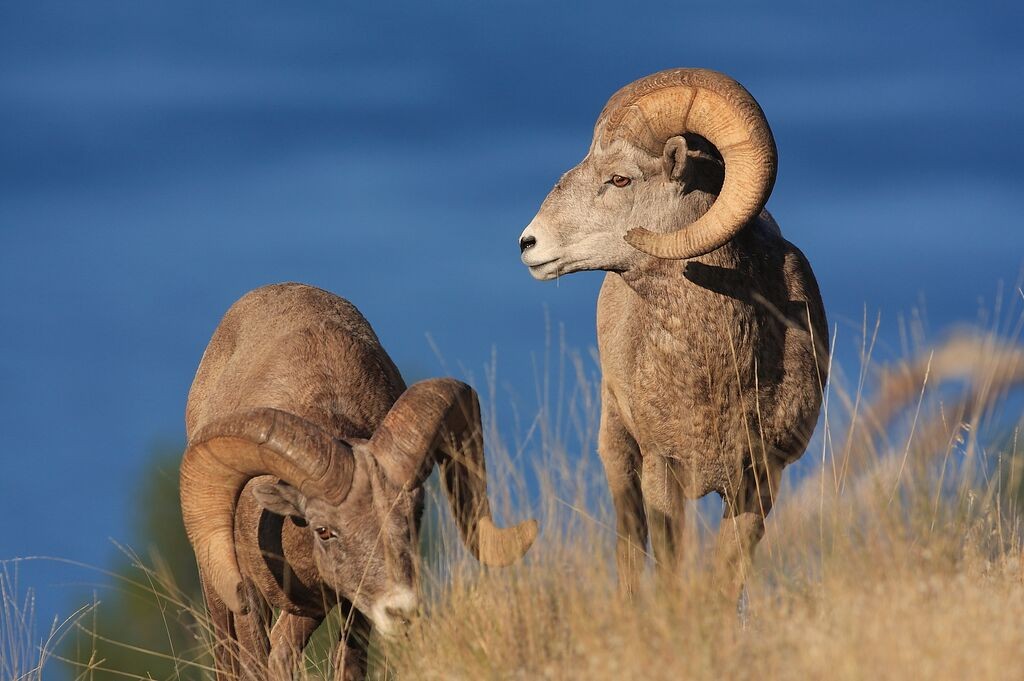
(301, 487)
(711, 329)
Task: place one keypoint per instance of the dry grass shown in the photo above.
(886, 599)
(22, 655)
(894, 550)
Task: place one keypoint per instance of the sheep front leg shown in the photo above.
(620, 455)
(253, 639)
(665, 505)
(225, 650)
(350, 657)
(288, 639)
(743, 526)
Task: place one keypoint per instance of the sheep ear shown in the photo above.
(674, 158)
(282, 499)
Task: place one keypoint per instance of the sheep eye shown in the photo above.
(324, 533)
(620, 181)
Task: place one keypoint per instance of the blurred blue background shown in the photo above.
(159, 159)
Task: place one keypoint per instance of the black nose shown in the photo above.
(526, 242)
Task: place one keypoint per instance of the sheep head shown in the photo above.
(656, 141)
(365, 547)
(360, 499)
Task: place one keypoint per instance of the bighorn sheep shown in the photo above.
(301, 487)
(711, 329)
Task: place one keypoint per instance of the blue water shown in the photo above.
(159, 159)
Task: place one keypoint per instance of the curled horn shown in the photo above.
(441, 417)
(651, 110)
(225, 454)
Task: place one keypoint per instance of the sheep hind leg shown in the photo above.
(742, 528)
(665, 507)
(620, 455)
(288, 640)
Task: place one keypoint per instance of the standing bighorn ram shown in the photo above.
(711, 329)
(301, 487)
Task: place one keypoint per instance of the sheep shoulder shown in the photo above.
(711, 358)
(299, 349)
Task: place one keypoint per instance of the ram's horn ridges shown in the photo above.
(650, 111)
(225, 454)
(441, 417)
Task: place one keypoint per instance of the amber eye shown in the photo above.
(324, 533)
(620, 181)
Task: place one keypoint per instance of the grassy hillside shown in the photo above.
(894, 551)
